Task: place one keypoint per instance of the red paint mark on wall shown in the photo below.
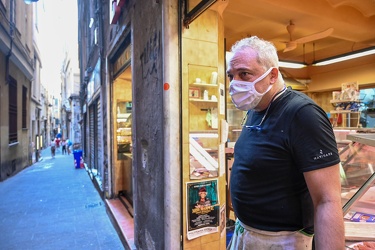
(166, 86)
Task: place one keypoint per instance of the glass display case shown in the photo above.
(204, 94)
(358, 188)
(203, 155)
(124, 128)
(235, 118)
(124, 149)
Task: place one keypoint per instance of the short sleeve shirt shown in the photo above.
(267, 186)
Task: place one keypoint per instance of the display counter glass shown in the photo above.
(358, 187)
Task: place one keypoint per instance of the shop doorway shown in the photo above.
(122, 126)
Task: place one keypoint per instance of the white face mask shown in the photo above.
(244, 95)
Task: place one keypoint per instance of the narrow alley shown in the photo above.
(53, 205)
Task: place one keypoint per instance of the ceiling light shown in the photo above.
(30, 1)
(345, 57)
(291, 65)
(282, 64)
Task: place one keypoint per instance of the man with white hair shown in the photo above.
(285, 183)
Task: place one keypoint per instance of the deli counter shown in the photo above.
(357, 172)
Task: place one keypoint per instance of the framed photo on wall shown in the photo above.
(194, 93)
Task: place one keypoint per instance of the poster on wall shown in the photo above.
(349, 91)
(203, 208)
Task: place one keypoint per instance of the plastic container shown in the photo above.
(78, 160)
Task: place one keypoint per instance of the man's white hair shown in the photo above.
(267, 53)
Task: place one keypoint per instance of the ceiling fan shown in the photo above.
(292, 44)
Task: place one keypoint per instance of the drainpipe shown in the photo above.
(11, 24)
(7, 62)
(7, 57)
(107, 176)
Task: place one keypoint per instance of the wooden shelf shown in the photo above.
(344, 112)
(204, 85)
(201, 100)
(344, 101)
(347, 119)
(347, 128)
(213, 131)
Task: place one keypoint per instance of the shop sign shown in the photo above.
(115, 9)
(122, 60)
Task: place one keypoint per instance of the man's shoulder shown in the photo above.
(300, 97)
(296, 100)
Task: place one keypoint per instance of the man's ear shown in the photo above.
(274, 75)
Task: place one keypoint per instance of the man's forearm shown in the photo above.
(329, 227)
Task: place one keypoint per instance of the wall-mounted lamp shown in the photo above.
(344, 57)
(291, 65)
(91, 22)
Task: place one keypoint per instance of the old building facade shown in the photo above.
(137, 60)
(156, 102)
(124, 114)
(20, 109)
(70, 101)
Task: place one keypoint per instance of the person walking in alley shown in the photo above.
(63, 146)
(68, 145)
(53, 148)
(57, 142)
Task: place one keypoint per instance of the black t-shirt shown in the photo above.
(267, 186)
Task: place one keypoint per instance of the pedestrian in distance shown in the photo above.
(68, 145)
(285, 185)
(63, 146)
(57, 140)
(53, 148)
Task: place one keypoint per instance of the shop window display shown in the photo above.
(124, 122)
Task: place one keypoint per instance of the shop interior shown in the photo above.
(299, 28)
(306, 33)
(122, 127)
